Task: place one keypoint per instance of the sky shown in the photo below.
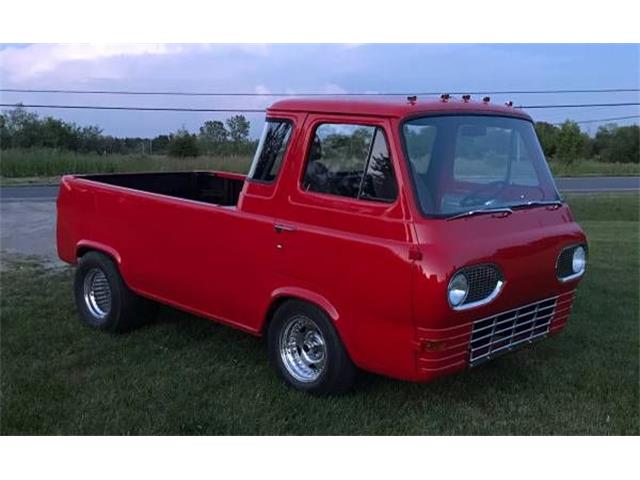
(317, 68)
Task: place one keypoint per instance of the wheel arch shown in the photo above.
(282, 295)
(85, 246)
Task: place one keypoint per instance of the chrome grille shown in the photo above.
(482, 282)
(564, 267)
(505, 331)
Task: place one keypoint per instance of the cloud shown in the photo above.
(262, 90)
(33, 61)
(331, 88)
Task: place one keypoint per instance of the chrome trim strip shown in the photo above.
(484, 301)
(575, 275)
(572, 277)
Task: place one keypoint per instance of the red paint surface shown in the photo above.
(379, 270)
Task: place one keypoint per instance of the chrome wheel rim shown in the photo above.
(97, 293)
(302, 349)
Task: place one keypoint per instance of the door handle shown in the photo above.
(279, 228)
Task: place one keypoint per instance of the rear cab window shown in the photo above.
(270, 152)
(350, 161)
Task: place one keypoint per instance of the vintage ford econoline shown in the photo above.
(408, 238)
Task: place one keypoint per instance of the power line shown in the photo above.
(311, 94)
(144, 109)
(259, 110)
(582, 105)
(611, 119)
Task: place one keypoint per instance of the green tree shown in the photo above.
(570, 142)
(22, 128)
(214, 131)
(161, 144)
(54, 133)
(5, 137)
(213, 135)
(618, 144)
(238, 127)
(90, 139)
(548, 136)
(184, 144)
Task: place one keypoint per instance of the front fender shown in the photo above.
(306, 295)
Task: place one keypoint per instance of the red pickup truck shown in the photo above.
(409, 238)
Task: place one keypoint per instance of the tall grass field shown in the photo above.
(20, 163)
(587, 167)
(36, 163)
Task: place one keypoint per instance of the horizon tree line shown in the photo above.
(22, 129)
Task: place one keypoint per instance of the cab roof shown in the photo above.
(392, 107)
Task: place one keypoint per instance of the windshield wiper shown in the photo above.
(505, 210)
(538, 203)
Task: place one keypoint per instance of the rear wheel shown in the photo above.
(306, 350)
(102, 298)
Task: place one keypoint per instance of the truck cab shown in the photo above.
(409, 238)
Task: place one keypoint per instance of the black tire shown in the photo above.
(124, 311)
(338, 371)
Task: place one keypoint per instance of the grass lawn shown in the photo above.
(184, 375)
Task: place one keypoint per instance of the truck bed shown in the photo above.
(209, 187)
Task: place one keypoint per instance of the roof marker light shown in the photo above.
(445, 97)
(486, 99)
(509, 103)
(412, 99)
(466, 98)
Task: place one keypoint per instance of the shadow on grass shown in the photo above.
(249, 351)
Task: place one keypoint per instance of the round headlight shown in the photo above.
(579, 261)
(458, 289)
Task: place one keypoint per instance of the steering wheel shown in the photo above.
(484, 194)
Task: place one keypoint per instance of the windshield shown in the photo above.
(462, 163)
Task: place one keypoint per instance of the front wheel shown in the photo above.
(306, 350)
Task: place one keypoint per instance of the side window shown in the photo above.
(271, 149)
(350, 161)
(379, 181)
